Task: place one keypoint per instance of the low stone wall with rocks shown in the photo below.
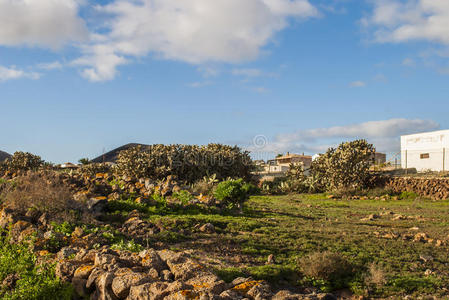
(109, 274)
(434, 188)
(97, 271)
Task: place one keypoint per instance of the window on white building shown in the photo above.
(425, 155)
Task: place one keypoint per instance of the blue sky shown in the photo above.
(78, 77)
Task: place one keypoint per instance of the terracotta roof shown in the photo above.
(294, 155)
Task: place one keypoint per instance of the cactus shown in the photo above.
(23, 161)
(344, 167)
(188, 163)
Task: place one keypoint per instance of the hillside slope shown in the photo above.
(111, 156)
(4, 155)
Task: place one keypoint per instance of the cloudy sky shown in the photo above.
(79, 77)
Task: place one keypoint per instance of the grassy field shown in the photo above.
(380, 238)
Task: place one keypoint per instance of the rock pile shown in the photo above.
(96, 271)
(151, 274)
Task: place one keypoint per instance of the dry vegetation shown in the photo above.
(42, 193)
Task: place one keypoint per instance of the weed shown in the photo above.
(408, 196)
(30, 280)
(65, 228)
(326, 269)
(183, 196)
(127, 245)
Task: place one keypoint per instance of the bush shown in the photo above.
(183, 196)
(205, 186)
(232, 193)
(188, 163)
(42, 193)
(344, 167)
(375, 277)
(202, 187)
(24, 161)
(330, 269)
(84, 161)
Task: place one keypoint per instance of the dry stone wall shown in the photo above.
(434, 188)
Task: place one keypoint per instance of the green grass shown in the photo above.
(35, 281)
(293, 226)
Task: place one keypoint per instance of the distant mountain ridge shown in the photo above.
(4, 155)
(111, 156)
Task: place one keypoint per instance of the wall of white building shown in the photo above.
(426, 151)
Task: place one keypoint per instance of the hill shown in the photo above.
(111, 156)
(4, 155)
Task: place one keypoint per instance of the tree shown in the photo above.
(84, 161)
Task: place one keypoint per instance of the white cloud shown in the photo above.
(102, 62)
(199, 84)
(252, 73)
(401, 21)
(195, 31)
(380, 78)
(208, 71)
(14, 73)
(357, 84)
(261, 90)
(247, 72)
(384, 134)
(56, 65)
(408, 62)
(44, 23)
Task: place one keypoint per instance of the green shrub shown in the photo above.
(84, 161)
(232, 193)
(250, 189)
(24, 161)
(130, 245)
(408, 195)
(32, 280)
(183, 196)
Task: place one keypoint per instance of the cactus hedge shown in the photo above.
(187, 162)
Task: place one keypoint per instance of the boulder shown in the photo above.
(207, 228)
(122, 284)
(79, 285)
(150, 258)
(83, 271)
(97, 205)
(209, 283)
(103, 283)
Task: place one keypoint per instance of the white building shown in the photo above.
(426, 151)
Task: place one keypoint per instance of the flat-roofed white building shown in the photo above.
(426, 151)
